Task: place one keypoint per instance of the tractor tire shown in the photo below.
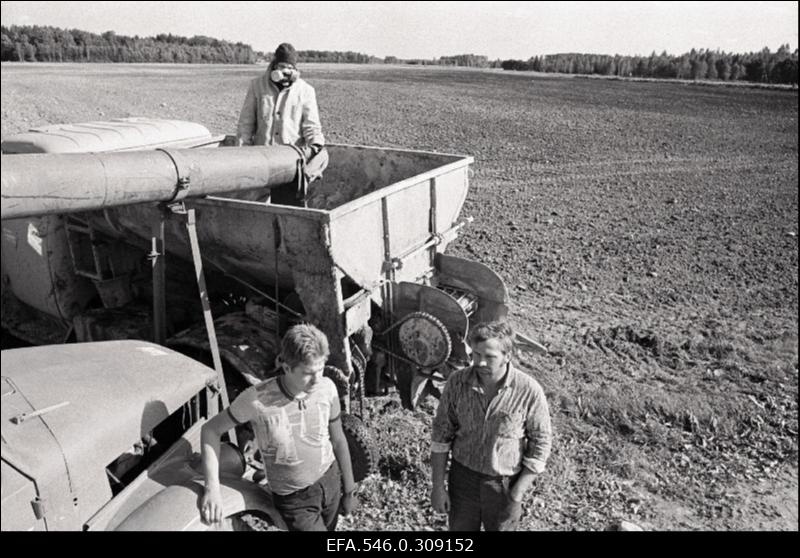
(362, 453)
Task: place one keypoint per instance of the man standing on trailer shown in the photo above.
(496, 422)
(280, 108)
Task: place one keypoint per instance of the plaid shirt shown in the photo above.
(494, 437)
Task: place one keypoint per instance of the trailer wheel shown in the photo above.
(339, 379)
(363, 454)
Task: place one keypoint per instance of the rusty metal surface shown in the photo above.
(37, 266)
(247, 345)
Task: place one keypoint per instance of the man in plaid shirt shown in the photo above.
(496, 422)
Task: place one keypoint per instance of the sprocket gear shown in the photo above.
(424, 340)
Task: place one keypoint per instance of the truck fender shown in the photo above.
(176, 508)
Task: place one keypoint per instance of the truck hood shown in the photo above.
(110, 394)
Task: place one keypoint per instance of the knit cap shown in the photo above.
(285, 53)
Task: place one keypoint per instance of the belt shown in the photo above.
(483, 476)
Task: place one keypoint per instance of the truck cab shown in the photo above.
(106, 436)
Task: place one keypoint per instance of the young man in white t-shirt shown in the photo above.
(296, 418)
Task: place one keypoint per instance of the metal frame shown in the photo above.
(157, 256)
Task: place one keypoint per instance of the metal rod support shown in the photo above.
(157, 258)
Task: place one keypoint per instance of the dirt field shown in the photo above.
(647, 233)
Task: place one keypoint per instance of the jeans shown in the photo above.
(476, 498)
(314, 508)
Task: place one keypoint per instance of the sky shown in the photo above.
(499, 30)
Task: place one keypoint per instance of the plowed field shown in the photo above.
(646, 231)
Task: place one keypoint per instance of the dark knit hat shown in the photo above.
(285, 53)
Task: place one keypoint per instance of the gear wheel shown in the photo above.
(424, 340)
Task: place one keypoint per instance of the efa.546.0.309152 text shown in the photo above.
(400, 544)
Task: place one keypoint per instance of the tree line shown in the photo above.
(336, 57)
(38, 43)
(761, 67)
(51, 44)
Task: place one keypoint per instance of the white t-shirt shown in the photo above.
(292, 433)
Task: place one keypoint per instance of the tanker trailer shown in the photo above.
(361, 256)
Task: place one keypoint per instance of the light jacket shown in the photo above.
(286, 117)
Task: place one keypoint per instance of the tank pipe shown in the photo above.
(55, 183)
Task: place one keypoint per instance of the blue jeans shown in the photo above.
(314, 508)
(477, 499)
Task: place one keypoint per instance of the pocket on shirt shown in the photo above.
(510, 425)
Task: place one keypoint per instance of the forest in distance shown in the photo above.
(38, 43)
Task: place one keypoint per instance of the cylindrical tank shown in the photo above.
(49, 184)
